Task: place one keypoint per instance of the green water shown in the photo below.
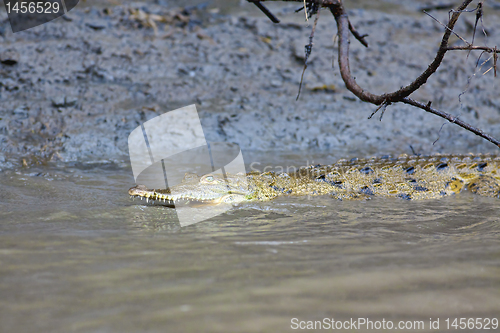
(77, 255)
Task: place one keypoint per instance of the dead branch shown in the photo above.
(343, 31)
(486, 49)
(266, 11)
(472, 47)
(344, 27)
(357, 35)
(308, 50)
(452, 119)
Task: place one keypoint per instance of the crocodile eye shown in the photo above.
(209, 178)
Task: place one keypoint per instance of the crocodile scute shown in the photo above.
(407, 177)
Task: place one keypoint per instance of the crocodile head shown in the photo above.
(208, 189)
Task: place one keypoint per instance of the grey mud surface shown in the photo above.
(80, 84)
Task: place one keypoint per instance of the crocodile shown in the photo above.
(407, 177)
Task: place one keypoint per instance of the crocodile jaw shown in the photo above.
(205, 197)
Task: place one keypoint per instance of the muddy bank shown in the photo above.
(76, 87)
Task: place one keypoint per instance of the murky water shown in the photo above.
(76, 255)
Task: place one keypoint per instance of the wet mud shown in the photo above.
(73, 89)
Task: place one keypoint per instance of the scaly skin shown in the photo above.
(407, 177)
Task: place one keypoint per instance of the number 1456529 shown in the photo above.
(472, 323)
(33, 7)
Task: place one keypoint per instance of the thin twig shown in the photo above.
(472, 47)
(495, 60)
(308, 51)
(439, 134)
(476, 70)
(451, 30)
(452, 119)
(357, 35)
(266, 11)
(305, 11)
(382, 106)
(479, 17)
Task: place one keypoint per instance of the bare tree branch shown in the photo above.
(452, 119)
(357, 35)
(472, 47)
(266, 11)
(340, 15)
(344, 27)
(324, 3)
(308, 51)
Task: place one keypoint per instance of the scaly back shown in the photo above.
(407, 177)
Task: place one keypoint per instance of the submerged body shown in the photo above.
(406, 177)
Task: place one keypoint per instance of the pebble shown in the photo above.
(276, 83)
(64, 101)
(9, 57)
